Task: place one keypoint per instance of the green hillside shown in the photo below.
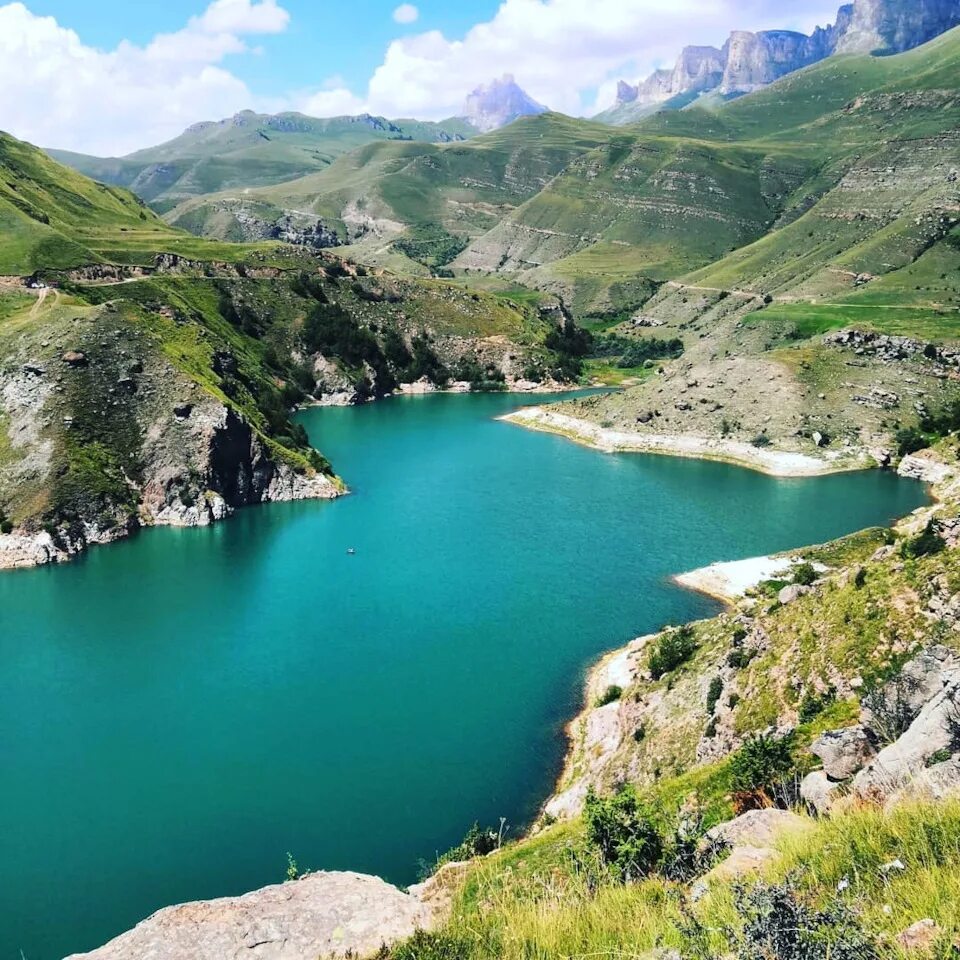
(249, 150)
(52, 218)
(385, 188)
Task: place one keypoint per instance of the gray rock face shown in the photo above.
(758, 828)
(319, 916)
(892, 26)
(819, 792)
(754, 60)
(935, 729)
(843, 752)
(698, 69)
(899, 702)
(498, 103)
(750, 61)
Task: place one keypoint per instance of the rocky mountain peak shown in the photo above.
(498, 103)
(750, 61)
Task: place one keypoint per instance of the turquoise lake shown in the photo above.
(183, 708)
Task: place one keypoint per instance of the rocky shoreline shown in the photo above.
(774, 463)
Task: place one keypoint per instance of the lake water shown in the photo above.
(182, 709)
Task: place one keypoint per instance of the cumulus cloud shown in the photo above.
(562, 51)
(406, 13)
(62, 93)
(567, 54)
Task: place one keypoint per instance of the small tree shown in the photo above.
(762, 765)
(622, 830)
(714, 693)
(672, 648)
(804, 574)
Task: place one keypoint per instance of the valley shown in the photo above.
(667, 398)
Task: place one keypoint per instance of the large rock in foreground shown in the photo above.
(321, 915)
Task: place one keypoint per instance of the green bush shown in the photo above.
(714, 693)
(430, 946)
(778, 924)
(804, 574)
(740, 658)
(762, 764)
(622, 830)
(478, 842)
(761, 440)
(925, 544)
(610, 695)
(671, 650)
(910, 440)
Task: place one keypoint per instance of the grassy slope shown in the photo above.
(465, 187)
(53, 218)
(825, 171)
(248, 150)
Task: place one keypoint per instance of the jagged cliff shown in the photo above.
(749, 61)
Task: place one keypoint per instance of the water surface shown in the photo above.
(183, 708)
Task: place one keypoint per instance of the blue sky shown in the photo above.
(111, 76)
(321, 41)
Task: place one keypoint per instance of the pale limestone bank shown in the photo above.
(774, 463)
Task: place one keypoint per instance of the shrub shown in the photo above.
(293, 871)
(610, 695)
(430, 946)
(671, 650)
(740, 658)
(622, 830)
(910, 440)
(714, 693)
(925, 544)
(804, 574)
(811, 706)
(478, 842)
(777, 923)
(891, 706)
(639, 735)
(762, 764)
(761, 440)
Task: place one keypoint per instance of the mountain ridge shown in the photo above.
(749, 61)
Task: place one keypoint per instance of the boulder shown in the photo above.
(741, 862)
(843, 752)
(931, 733)
(758, 828)
(794, 592)
(819, 792)
(321, 915)
(918, 682)
(74, 358)
(938, 782)
(921, 936)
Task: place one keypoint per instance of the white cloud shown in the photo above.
(567, 54)
(63, 93)
(563, 51)
(406, 13)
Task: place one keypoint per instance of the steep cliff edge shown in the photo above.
(750, 61)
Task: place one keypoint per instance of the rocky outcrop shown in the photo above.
(498, 103)
(750, 61)
(892, 26)
(843, 752)
(322, 915)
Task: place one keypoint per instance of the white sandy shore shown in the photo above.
(772, 462)
(730, 581)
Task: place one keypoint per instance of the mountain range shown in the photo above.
(749, 61)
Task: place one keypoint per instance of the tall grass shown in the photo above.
(547, 898)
